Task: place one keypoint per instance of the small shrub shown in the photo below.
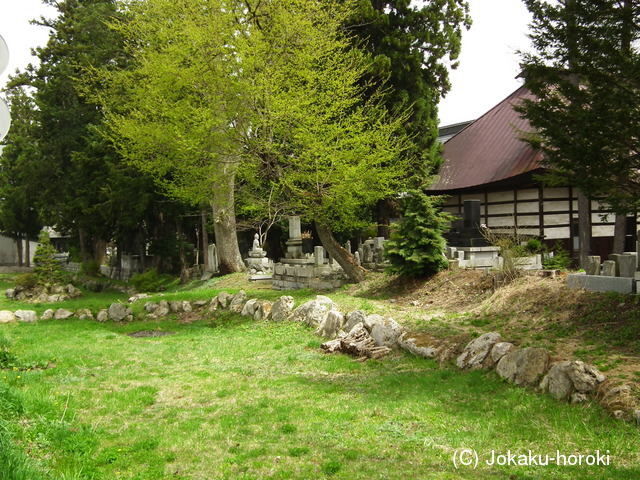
(27, 281)
(150, 281)
(90, 268)
(559, 260)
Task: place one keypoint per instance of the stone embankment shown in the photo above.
(373, 336)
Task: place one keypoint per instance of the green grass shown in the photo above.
(234, 399)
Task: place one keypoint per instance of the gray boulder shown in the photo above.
(175, 306)
(102, 316)
(313, 313)
(249, 308)
(62, 314)
(384, 331)
(7, 316)
(354, 318)
(119, 312)
(237, 301)
(10, 293)
(186, 306)
(150, 307)
(263, 310)
(224, 298)
(500, 349)
(27, 316)
(48, 314)
(331, 325)
(477, 353)
(84, 314)
(567, 379)
(282, 309)
(524, 366)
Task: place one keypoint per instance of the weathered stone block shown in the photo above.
(282, 308)
(598, 283)
(7, 316)
(608, 268)
(628, 263)
(593, 265)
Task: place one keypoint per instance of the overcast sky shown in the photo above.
(488, 63)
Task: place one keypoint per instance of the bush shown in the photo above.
(27, 281)
(90, 268)
(558, 260)
(149, 281)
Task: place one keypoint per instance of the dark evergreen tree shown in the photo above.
(412, 49)
(18, 216)
(416, 247)
(585, 73)
(45, 266)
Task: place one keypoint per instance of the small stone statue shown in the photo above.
(256, 242)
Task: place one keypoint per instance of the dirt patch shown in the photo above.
(149, 333)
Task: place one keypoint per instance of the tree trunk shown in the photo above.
(224, 227)
(383, 208)
(82, 237)
(584, 228)
(619, 233)
(27, 252)
(100, 251)
(205, 239)
(18, 239)
(346, 260)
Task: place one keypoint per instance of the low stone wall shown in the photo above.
(373, 336)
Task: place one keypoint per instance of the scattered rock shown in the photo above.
(213, 305)
(384, 332)
(500, 349)
(427, 346)
(282, 308)
(571, 377)
(175, 306)
(84, 314)
(150, 307)
(224, 299)
(62, 314)
(313, 312)
(524, 366)
(7, 316)
(477, 353)
(138, 296)
(617, 397)
(331, 325)
(27, 316)
(102, 316)
(237, 301)
(48, 314)
(10, 293)
(354, 318)
(249, 308)
(118, 312)
(263, 311)
(162, 310)
(186, 306)
(636, 415)
(199, 303)
(577, 398)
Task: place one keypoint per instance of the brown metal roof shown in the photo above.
(489, 150)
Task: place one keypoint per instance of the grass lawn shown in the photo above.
(228, 398)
